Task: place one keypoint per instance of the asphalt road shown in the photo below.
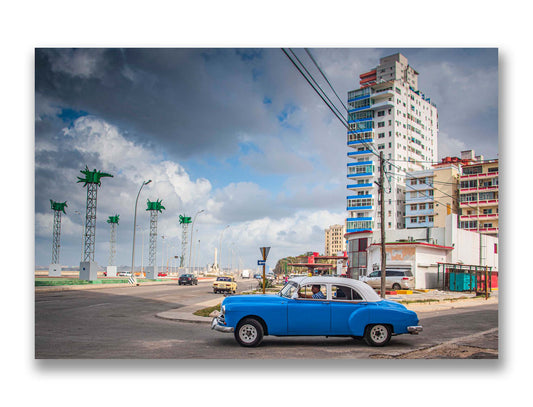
(117, 323)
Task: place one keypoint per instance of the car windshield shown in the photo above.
(288, 290)
(223, 279)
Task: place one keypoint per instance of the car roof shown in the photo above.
(368, 292)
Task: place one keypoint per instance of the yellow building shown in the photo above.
(335, 242)
(479, 198)
(446, 197)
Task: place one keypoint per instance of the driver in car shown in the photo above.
(317, 294)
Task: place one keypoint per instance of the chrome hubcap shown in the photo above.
(378, 333)
(248, 333)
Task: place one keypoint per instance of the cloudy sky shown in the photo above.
(235, 132)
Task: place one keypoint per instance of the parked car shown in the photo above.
(124, 274)
(188, 279)
(225, 284)
(349, 308)
(396, 279)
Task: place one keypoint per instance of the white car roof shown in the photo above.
(364, 289)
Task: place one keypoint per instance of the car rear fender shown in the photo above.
(360, 318)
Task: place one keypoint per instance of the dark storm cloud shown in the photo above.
(188, 100)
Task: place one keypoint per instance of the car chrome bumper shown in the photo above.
(219, 327)
(415, 330)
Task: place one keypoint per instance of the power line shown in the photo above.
(345, 123)
(324, 76)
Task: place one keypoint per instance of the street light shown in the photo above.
(192, 232)
(82, 233)
(134, 227)
(220, 247)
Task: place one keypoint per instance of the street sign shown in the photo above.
(264, 252)
(261, 262)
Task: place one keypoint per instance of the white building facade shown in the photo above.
(386, 114)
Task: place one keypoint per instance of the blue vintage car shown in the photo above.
(323, 306)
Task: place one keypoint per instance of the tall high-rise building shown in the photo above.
(334, 240)
(386, 113)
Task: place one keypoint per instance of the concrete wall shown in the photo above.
(422, 260)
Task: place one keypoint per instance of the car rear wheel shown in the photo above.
(249, 332)
(378, 334)
(396, 286)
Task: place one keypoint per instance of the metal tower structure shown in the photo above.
(154, 208)
(57, 207)
(113, 221)
(184, 222)
(92, 182)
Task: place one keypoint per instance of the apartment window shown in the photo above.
(413, 207)
(472, 170)
(422, 206)
(381, 113)
(487, 211)
(381, 124)
(469, 184)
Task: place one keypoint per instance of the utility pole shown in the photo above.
(382, 194)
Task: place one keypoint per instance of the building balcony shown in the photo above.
(362, 174)
(382, 94)
(481, 216)
(356, 187)
(482, 189)
(382, 104)
(490, 202)
(358, 143)
(481, 175)
(357, 154)
(419, 212)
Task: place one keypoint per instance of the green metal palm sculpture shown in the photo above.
(92, 177)
(58, 206)
(113, 219)
(185, 219)
(155, 206)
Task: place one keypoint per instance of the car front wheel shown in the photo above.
(249, 332)
(377, 335)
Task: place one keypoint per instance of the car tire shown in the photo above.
(396, 286)
(249, 332)
(377, 334)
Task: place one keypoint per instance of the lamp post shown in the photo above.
(134, 227)
(220, 247)
(192, 232)
(82, 233)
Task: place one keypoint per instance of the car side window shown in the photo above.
(306, 291)
(344, 293)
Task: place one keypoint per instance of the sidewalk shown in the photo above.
(443, 300)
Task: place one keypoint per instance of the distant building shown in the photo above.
(334, 240)
(479, 197)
